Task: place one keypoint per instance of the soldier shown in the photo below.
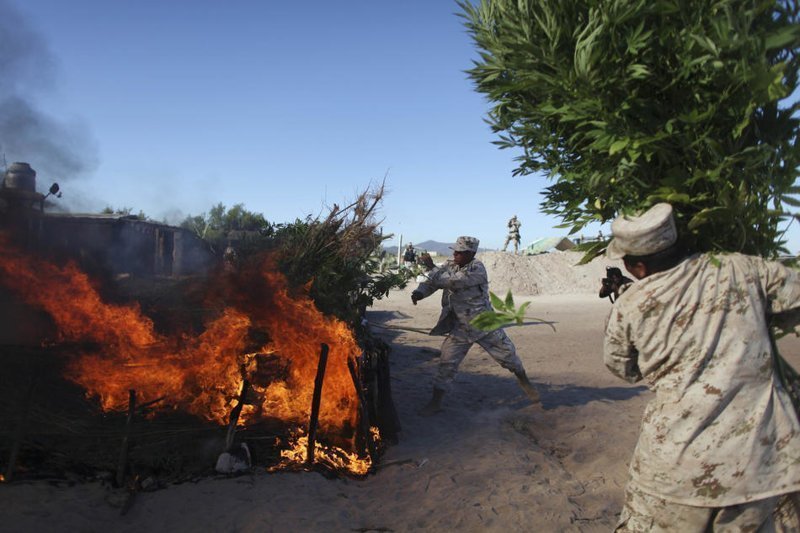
(719, 444)
(465, 294)
(513, 233)
(230, 259)
(409, 256)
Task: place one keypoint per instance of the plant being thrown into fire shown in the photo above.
(119, 348)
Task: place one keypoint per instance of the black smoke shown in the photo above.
(58, 150)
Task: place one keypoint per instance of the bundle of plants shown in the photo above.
(623, 104)
(339, 257)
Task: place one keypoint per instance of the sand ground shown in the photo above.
(488, 462)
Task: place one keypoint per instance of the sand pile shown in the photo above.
(550, 273)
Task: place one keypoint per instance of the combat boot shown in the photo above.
(528, 387)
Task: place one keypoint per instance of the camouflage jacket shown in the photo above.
(721, 429)
(465, 294)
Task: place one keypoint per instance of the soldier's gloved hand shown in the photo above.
(415, 297)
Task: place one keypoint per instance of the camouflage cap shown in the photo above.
(645, 234)
(466, 244)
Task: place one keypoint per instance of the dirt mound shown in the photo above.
(550, 273)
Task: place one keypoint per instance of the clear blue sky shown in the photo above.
(170, 107)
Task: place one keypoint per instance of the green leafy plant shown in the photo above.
(504, 314)
(626, 103)
(339, 257)
(222, 225)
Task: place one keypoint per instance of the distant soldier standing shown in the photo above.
(409, 256)
(465, 295)
(719, 444)
(513, 233)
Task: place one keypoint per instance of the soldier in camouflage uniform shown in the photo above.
(465, 294)
(719, 447)
(513, 233)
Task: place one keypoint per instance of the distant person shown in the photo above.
(465, 294)
(409, 256)
(719, 442)
(513, 233)
(230, 259)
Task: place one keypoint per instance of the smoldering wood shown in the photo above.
(122, 465)
(388, 421)
(234, 416)
(364, 437)
(315, 400)
(377, 381)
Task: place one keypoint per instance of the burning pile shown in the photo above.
(257, 330)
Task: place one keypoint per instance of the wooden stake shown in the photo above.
(387, 419)
(312, 423)
(234, 417)
(123, 454)
(363, 415)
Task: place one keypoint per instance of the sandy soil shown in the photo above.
(488, 462)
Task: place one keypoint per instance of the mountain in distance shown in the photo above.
(441, 248)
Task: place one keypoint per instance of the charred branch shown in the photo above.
(312, 424)
(234, 417)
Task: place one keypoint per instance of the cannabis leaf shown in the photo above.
(504, 314)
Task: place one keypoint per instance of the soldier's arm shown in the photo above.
(619, 354)
(426, 288)
(782, 287)
(782, 290)
(474, 274)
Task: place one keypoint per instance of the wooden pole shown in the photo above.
(312, 423)
(363, 414)
(400, 250)
(234, 417)
(19, 434)
(123, 454)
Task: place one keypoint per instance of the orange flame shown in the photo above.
(120, 348)
(330, 456)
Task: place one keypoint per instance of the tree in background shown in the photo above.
(123, 211)
(626, 103)
(221, 224)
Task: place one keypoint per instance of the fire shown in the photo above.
(200, 373)
(330, 456)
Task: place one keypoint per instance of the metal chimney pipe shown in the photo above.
(20, 177)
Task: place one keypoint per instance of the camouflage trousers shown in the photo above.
(643, 512)
(456, 346)
(513, 239)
